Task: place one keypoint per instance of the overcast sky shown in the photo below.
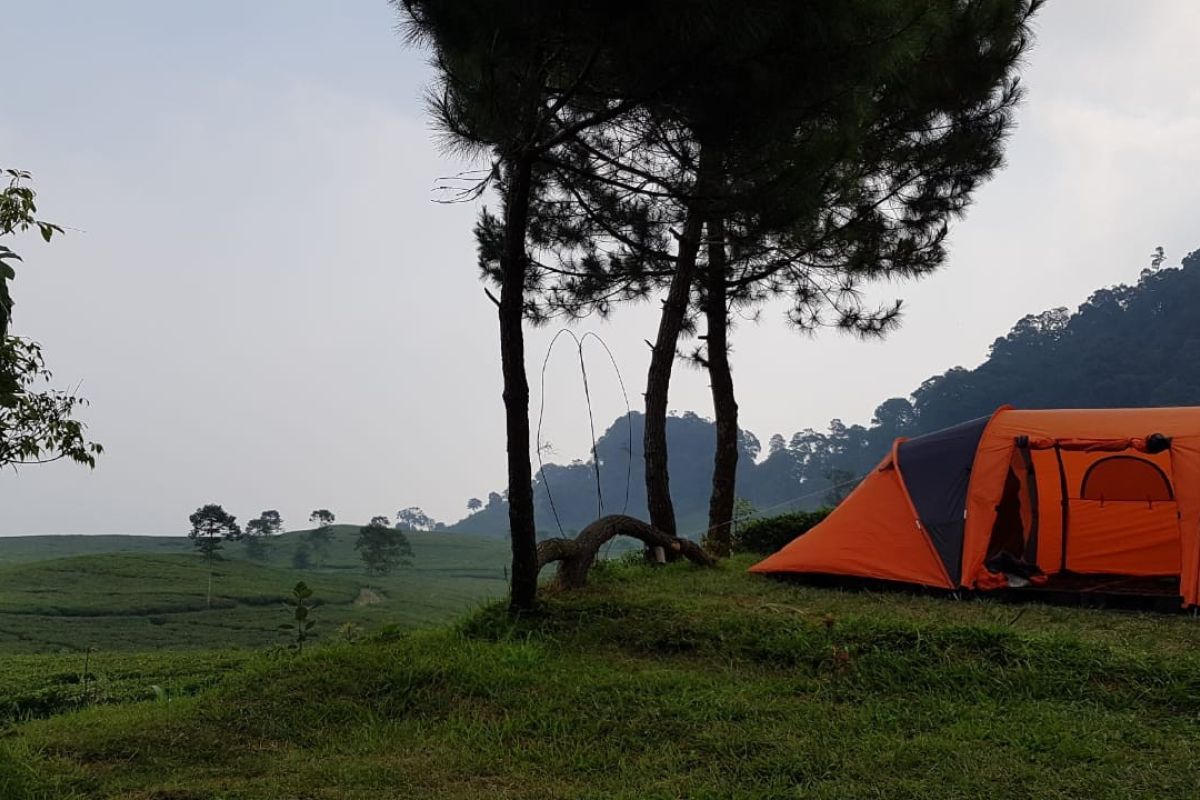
(266, 309)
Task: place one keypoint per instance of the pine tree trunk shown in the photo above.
(724, 481)
(662, 359)
(658, 380)
(516, 388)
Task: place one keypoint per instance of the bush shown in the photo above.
(769, 534)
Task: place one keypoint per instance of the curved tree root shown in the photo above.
(576, 556)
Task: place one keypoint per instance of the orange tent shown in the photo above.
(1104, 491)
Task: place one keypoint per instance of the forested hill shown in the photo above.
(1133, 345)
(1126, 346)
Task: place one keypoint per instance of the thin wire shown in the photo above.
(789, 501)
(541, 417)
(628, 426)
(587, 396)
(591, 423)
(628, 415)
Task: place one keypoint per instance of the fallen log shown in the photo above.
(576, 556)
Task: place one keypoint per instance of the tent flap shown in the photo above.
(872, 534)
(936, 469)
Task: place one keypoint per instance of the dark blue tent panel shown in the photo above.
(936, 469)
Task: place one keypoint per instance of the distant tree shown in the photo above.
(474, 504)
(841, 484)
(212, 525)
(37, 425)
(893, 417)
(382, 547)
(259, 532)
(414, 519)
(1157, 257)
(321, 536)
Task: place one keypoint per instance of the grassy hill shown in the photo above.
(675, 682)
(141, 599)
(444, 548)
(24, 549)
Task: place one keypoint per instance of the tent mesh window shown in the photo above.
(1118, 478)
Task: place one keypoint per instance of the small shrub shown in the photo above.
(769, 534)
(300, 608)
(350, 632)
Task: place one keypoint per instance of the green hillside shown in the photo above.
(667, 683)
(135, 584)
(23, 549)
(130, 600)
(442, 548)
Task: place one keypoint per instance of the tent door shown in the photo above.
(1012, 546)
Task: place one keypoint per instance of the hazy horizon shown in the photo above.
(266, 309)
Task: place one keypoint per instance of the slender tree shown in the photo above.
(259, 531)
(211, 526)
(321, 536)
(414, 519)
(382, 547)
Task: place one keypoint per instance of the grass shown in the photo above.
(676, 682)
(138, 619)
(133, 584)
(37, 686)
